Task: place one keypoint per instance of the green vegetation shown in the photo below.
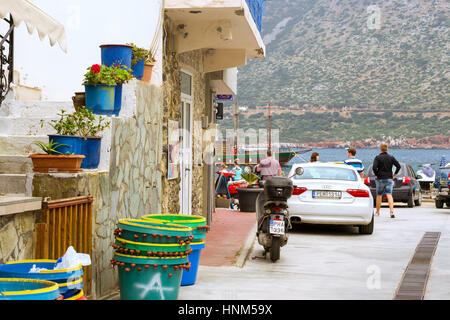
(332, 126)
(326, 55)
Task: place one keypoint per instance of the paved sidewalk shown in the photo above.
(230, 238)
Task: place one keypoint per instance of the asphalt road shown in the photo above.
(335, 262)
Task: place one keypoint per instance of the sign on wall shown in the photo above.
(174, 150)
(224, 97)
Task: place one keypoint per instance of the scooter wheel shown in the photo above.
(275, 249)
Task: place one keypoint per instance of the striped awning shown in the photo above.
(34, 18)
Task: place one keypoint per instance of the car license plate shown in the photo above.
(276, 227)
(319, 194)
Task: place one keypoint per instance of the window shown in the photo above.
(186, 83)
(327, 173)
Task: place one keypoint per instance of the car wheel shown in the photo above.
(411, 201)
(447, 203)
(439, 204)
(367, 229)
(418, 202)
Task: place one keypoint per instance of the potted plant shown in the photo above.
(89, 127)
(51, 162)
(148, 68)
(100, 83)
(139, 56)
(66, 139)
(122, 74)
(114, 54)
(248, 195)
(78, 133)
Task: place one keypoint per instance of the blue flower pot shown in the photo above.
(113, 54)
(100, 99)
(73, 144)
(138, 69)
(91, 148)
(118, 99)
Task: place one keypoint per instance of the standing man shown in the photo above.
(269, 167)
(354, 162)
(382, 168)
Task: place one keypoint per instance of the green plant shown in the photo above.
(81, 123)
(140, 54)
(122, 74)
(250, 177)
(87, 124)
(100, 75)
(65, 126)
(50, 148)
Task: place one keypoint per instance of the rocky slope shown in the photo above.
(390, 53)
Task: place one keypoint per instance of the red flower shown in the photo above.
(96, 68)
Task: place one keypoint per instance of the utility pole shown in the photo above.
(269, 127)
(236, 126)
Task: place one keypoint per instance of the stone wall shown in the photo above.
(17, 237)
(130, 188)
(173, 64)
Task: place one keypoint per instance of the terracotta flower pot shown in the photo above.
(46, 163)
(148, 69)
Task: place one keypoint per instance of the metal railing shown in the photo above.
(65, 223)
(256, 9)
(6, 59)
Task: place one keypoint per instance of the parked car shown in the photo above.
(442, 194)
(406, 186)
(327, 193)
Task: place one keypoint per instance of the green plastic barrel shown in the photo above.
(197, 223)
(152, 231)
(151, 249)
(142, 278)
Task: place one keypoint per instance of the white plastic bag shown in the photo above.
(72, 259)
(36, 270)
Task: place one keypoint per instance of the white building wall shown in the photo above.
(88, 24)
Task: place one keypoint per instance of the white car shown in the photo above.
(328, 193)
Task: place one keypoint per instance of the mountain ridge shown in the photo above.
(333, 53)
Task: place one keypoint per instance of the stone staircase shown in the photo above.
(20, 126)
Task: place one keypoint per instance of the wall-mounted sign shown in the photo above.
(224, 97)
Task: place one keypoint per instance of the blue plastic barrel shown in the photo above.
(190, 276)
(91, 148)
(28, 289)
(73, 144)
(67, 279)
(138, 69)
(100, 99)
(114, 54)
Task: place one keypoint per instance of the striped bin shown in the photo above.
(28, 289)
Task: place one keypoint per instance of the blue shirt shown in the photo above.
(238, 173)
(356, 163)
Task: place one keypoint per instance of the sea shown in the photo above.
(414, 157)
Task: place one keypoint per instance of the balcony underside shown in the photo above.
(225, 29)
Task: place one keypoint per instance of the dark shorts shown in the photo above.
(384, 186)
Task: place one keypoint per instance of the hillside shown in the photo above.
(333, 53)
(323, 127)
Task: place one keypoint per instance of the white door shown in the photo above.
(186, 145)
